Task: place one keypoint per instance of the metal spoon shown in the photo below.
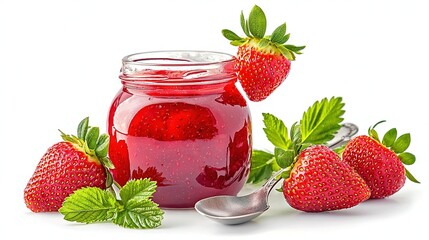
(236, 210)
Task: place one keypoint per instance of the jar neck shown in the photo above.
(178, 71)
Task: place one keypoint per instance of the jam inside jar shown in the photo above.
(180, 120)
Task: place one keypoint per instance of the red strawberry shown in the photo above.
(173, 121)
(263, 62)
(320, 181)
(67, 166)
(380, 164)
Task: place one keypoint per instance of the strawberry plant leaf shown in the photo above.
(140, 189)
(230, 35)
(374, 134)
(279, 33)
(263, 43)
(82, 128)
(244, 25)
(139, 213)
(88, 205)
(407, 158)
(102, 138)
(321, 121)
(389, 137)
(286, 53)
(262, 166)
(284, 39)
(339, 150)
(402, 143)
(276, 131)
(107, 163)
(410, 176)
(92, 137)
(237, 42)
(284, 158)
(257, 22)
(102, 146)
(109, 181)
(295, 49)
(295, 133)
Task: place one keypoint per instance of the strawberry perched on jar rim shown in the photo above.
(77, 162)
(381, 163)
(263, 62)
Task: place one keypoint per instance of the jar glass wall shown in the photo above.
(180, 120)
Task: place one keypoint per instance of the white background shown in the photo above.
(59, 62)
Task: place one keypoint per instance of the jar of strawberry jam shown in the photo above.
(180, 120)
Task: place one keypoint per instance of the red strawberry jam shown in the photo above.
(180, 120)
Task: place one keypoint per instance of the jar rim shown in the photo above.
(183, 58)
(177, 67)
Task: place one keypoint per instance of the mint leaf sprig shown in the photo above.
(135, 209)
(319, 124)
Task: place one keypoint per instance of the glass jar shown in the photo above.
(180, 120)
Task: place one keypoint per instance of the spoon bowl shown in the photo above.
(229, 209)
(232, 210)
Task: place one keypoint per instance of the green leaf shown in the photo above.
(374, 134)
(284, 39)
(257, 22)
(284, 158)
(286, 174)
(286, 52)
(402, 143)
(82, 128)
(92, 137)
(410, 176)
(68, 138)
(237, 42)
(102, 138)
(88, 205)
(139, 189)
(295, 133)
(339, 150)
(322, 120)
(109, 178)
(261, 166)
(390, 137)
(107, 162)
(230, 35)
(279, 33)
(244, 25)
(407, 158)
(102, 146)
(295, 49)
(139, 213)
(276, 131)
(263, 43)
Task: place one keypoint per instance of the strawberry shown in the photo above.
(320, 181)
(173, 121)
(380, 163)
(263, 62)
(67, 166)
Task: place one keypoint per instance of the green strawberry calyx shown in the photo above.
(96, 146)
(255, 27)
(398, 145)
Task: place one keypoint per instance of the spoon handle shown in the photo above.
(344, 134)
